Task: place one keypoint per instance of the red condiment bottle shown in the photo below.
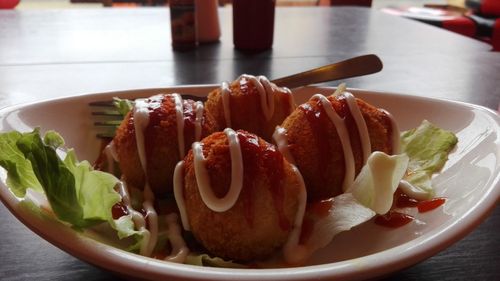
(253, 24)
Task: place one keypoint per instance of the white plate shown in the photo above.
(470, 181)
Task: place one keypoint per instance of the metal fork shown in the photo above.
(110, 118)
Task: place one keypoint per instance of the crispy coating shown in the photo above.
(161, 144)
(256, 226)
(323, 171)
(245, 108)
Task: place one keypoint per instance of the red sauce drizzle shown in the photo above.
(320, 208)
(244, 82)
(388, 125)
(285, 102)
(101, 161)
(429, 205)
(272, 161)
(157, 113)
(250, 151)
(318, 119)
(352, 129)
(306, 230)
(314, 211)
(401, 200)
(119, 210)
(393, 219)
(189, 123)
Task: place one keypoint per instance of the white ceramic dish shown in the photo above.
(470, 181)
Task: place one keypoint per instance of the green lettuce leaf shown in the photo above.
(428, 147)
(20, 173)
(77, 194)
(123, 105)
(94, 189)
(125, 228)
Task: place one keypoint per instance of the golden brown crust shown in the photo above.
(241, 233)
(246, 111)
(323, 171)
(161, 145)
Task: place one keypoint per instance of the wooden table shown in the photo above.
(46, 54)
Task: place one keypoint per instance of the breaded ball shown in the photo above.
(316, 147)
(244, 106)
(161, 142)
(260, 221)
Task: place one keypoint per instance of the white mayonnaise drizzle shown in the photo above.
(141, 121)
(361, 124)
(179, 248)
(137, 217)
(294, 252)
(413, 191)
(111, 157)
(281, 140)
(225, 93)
(179, 194)
(203, 179)
(179, 114)
(266, 94)
(341, 128)
(396, 142)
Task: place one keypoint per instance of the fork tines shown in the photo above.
(106, 118)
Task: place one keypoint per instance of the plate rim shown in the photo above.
(345, 269)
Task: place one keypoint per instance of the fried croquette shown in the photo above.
(159, 139)
(319, 149)
(250, 103)
(262, 217)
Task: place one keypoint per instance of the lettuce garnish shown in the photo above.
(378, 180)
(20, 172)
(123, 105)
(77, 194)
(428, 147)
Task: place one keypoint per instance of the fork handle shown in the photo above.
(357, 66)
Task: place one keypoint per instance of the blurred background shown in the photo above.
(63, 4)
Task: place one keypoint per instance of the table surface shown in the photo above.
(47, 54)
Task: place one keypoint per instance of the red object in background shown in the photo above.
(462, 25)
(8, 4)
(495, 38)
(253, 24)
(490, 8)
(366, 3)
